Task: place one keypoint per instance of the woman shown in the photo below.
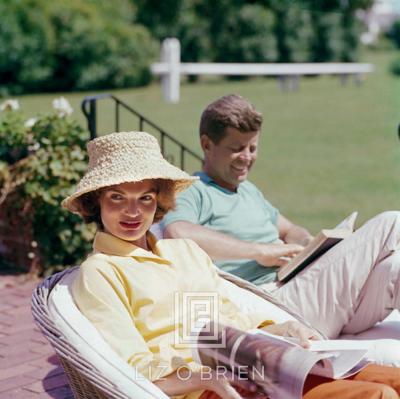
(128, 287)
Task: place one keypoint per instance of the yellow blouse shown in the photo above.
(141, 301)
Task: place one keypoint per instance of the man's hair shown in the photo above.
(229, 111)
(89, 203)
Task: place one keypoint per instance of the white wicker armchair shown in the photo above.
(93, 369)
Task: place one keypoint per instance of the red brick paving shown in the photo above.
(29, 368)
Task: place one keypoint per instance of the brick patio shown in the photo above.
(28, 365)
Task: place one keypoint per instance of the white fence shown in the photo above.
(171, 68)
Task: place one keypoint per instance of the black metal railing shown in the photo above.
(89, 109)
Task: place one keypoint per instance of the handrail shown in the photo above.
(89, 109)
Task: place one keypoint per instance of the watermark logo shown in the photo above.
(193, 313)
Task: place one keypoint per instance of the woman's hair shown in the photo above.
(89, 204)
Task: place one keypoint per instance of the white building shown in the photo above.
(379, 18)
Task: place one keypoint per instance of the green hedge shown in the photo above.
(257, 31)
(74, 45)
(394, 33)
(247, 36)
(47, 157)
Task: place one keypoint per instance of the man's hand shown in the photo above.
(276, 254)
(293, 329)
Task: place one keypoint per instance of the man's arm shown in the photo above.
(291, 233)
(221, 246)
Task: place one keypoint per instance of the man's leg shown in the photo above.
(329, 292)
(382, 283)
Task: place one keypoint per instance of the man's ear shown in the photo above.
(205, 143)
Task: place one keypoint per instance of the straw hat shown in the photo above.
(125, 157)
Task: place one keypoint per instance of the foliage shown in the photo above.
(192, 33)
(13, 137)
(95, 51)
(256, 31)
(350, 31)
(292, 29)
(27, 41)
(247, 36)
(72, 45)
(54, 160)
(395, 66)
(159, 16)
(394, 33)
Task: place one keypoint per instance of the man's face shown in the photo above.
(228, 163)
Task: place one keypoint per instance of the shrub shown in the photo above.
(27, 42)
(192, 33)
(394, 33)
(53, 160)
(292, 29)
(247, 36)
(51, 46)
(96, 51)
(395, 66)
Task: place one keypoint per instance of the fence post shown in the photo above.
(171, 55)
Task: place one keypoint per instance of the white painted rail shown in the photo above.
(171, 69)
(187, 68)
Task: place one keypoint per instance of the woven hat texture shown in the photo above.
(125, 157)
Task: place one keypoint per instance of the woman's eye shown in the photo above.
(147, 198)
(116, 197)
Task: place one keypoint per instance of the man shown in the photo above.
(349, 289)
(225, 213)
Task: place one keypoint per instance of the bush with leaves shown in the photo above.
(27, 42)
(79, 45)
(50, 158)
(247, 36)
(395, 66)
(97, 49)
(394, 33)
(292, 29)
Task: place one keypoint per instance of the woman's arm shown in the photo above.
(185, 381)
(293, 329)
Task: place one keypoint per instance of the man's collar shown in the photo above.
(204, 177)
(208, 180)
(112, 245)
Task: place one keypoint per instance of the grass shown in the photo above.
(325, 150)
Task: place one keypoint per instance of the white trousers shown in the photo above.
(355, 284)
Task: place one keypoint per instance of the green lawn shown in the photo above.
(325, 150)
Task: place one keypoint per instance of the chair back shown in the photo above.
(93, 369)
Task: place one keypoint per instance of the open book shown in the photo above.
(279, 366)
(323, 241)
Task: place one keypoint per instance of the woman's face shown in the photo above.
(127, 210)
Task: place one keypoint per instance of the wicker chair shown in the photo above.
(93, 369)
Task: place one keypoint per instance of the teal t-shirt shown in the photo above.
(245, 214)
